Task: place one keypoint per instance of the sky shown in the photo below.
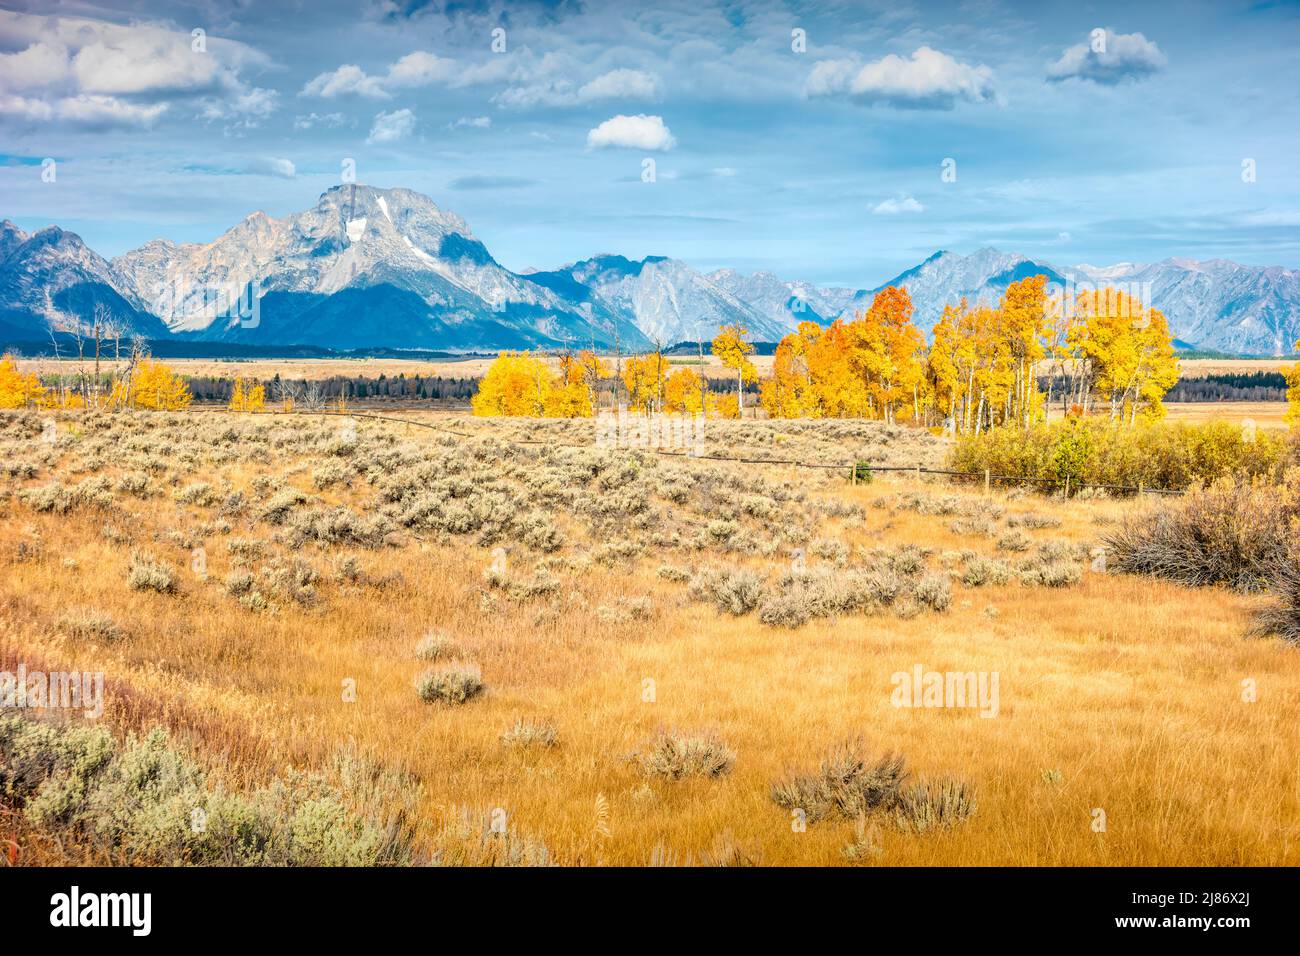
(835, 142)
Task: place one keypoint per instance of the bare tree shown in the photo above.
(287, 393)
(313, 396)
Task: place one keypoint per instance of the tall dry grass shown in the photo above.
(1120, 694)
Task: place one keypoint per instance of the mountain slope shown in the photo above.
(1218, 305)
(947, 277)
(665, 298)
(365, 267)
(783, 304)
(52, 279)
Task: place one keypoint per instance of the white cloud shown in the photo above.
(633, 132)
(616, 84)
(391, 127)
(273, 166)
(92, 112)
(928, 80)
(78, 70)
(1122, 56)
(310, 120)
(414, 69)
(723, 172)
(893, 207)
(473, 122)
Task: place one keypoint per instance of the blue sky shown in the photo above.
(1081, 132)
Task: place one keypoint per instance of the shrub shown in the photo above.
(239, 582)
(1281, 617)
(674, 756)
(147, 574)
(846, 784)
(929, 805)
(735, 592)
(433, 646)
(1050, 574)
(526, 734)
(135, 803)
(1232, 533)
(87, 625)
(1096, 451)
(980, 571)
(200, 493)
(451, 684)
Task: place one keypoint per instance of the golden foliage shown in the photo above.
(154, 386)
(18, 390)
(521, 385)
(248, 395)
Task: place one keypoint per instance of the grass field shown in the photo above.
(582, 583)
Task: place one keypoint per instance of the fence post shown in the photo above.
(988, 481)
(853, 473)
(1067, 486)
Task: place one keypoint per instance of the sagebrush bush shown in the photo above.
(434, 646)
(734, 592)
(89, 625)
(930, 805)
(525, 734)
(148, 574)
(453, 683)
(846, 784)
(677, 755)
(1233, 533)
(143, 802)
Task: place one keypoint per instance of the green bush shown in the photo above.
(1100, 452)
(143, 802)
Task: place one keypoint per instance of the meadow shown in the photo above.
(492, 641)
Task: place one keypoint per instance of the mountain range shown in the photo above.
(387, 268)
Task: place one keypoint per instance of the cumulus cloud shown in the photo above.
(1108, 58)
(89, 72)
(391, 127)
(273, 166)
(928, 80)
(893, 207)
(559, 91)
(473, 122)
(414, 69)
(633, 132)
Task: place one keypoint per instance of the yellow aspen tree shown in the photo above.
(18, 389)
(734, 349)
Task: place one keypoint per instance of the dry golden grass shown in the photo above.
(1118, 693)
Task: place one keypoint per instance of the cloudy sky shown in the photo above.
(835, 142)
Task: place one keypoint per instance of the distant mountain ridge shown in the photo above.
(388, 268)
